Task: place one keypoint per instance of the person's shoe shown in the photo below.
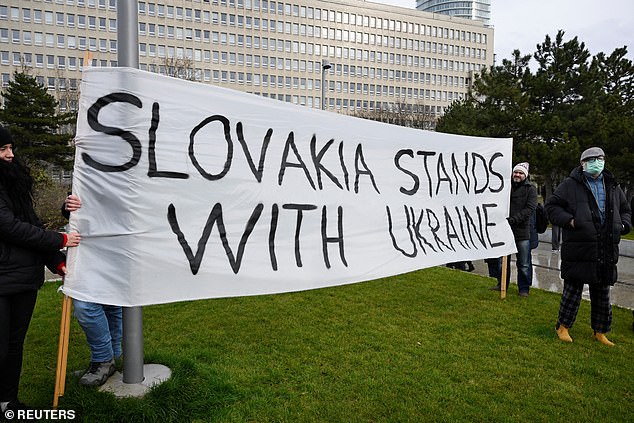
(555, 250)
(602, 339)
(15, 405)
(97, 373)
(495, 288)
(524, 294)
(562, 333)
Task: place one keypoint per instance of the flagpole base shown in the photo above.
(154, 374)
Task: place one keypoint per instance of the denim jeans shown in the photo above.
(524, 264)
(103, 326)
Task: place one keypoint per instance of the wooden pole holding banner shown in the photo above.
(62, 351)
(503, 276)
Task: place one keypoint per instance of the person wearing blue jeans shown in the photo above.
(524, 268)
(102, 324)
(523, 205)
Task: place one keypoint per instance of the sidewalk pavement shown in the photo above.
(546, 271)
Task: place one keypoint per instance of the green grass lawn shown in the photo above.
(432, 345)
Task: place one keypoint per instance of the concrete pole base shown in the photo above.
(154, 374)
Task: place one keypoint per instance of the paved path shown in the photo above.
(546, 273)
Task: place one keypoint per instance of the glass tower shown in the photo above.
(479, 10)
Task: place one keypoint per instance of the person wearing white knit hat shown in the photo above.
(523, 204)
(521, 167)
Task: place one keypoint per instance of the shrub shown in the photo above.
(48, 196)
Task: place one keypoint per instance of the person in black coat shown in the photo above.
(593, 213)
(522, 207)
(25, 247)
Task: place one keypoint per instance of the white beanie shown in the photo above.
(521, 167)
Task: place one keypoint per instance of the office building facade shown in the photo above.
(382, 57)
(479, 10)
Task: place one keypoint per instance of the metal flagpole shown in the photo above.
(128, 56)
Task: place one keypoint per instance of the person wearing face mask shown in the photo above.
(593, 213)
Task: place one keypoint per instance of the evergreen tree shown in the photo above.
(572, 101)
(497, 107)
(30, 113)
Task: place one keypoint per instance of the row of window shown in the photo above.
(36, 38)
(63, 84)
(325, 15)
(353, 105)
(208, 36)
(288, 82)
(51, 82)
(76, 63)
(199, 55)
(216, 37)
(255, 61)
(70, 19)
(110, 4)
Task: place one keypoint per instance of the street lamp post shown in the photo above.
(325, 65)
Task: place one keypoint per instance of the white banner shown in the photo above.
(191, 191)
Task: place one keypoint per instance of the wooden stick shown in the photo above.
(503, 277)
(60, 346)
(62, 351)
(66, 338)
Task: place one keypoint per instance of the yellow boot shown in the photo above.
(562, 333)
(602, 339)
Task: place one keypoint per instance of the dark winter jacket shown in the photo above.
(590, 250)
(534, 236)
(523, 204)
(24, 250)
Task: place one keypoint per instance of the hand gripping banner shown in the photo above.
(191, 191)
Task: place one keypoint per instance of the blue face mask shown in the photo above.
(594, 167)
